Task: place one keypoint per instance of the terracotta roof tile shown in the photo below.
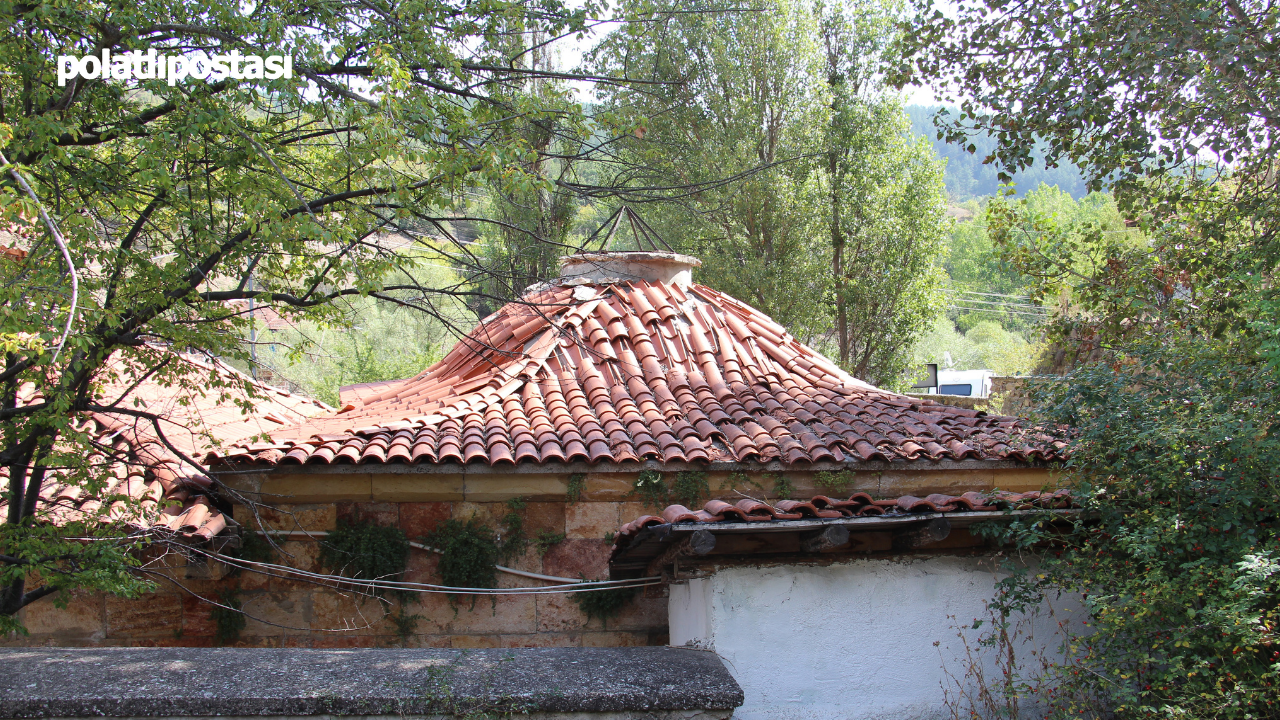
(620, 371)
(171, 491)
(859, 505)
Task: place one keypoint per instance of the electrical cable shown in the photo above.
(428, 588)
(428, 548)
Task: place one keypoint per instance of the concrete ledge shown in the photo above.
(614, 683)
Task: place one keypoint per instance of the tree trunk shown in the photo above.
(837, 258)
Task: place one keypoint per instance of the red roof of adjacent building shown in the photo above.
(859, 505)
(641, 543)
(612, 369)
(171, 491)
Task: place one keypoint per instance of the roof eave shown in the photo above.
(238, 465)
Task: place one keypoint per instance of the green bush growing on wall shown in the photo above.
(690, 487)
(783, 488)
(228, 621)
(366, 551)
(651, 488)
(833, 483)
(603, 604)
(469, 551)
(577, 486)
(545, 539)
(513, 540)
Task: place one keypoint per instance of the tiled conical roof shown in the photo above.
(609, 370)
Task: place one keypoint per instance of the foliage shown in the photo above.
(469, 552)
(546, 539)
(833, 483)
(738, 480)
(41, 553)
(535, 219)
(652, 489)
(1162, 103)
(689, 487)
(181, 203)
(366, 551)
(513, 539)
(885, 206)
(577, 485)
(404, 623)
(837, 214)
(371, 340)
(1021, 274)
(968, 178)
(603, 604)
(1009, 670)
(1114, 285)
(1125, 91)
(1174, 449)
(228, 619)
(985, 346)
(973, 261)
(734, 101)
(783, 488)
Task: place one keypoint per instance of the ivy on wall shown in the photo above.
(513, 539)
(546, 539)
(603, 604)
(650, 487)
(690, 487)
(366, 551)
(228, 620)
(469, 551)
(782, 487)
(577, 486)
(833, 483)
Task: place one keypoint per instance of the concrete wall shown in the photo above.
(864, 639)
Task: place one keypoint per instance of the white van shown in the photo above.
(967, 383)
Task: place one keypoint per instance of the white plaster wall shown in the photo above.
(852, 641)
(688, 613)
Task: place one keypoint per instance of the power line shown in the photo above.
(990, 310)
(1000, 304)
(974, 292)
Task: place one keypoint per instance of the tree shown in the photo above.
(886, 205)
(177, 199)
(534, 210)
(1175, 554)
(1169, 105)
(376, 340)
(737, 101)
(1124, 91)
(968, 178)
(835, 228)
(1171, 418)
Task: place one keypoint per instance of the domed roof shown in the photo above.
(620, 369)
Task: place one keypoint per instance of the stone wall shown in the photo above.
(293, 613)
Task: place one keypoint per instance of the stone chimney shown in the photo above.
(662, 267)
